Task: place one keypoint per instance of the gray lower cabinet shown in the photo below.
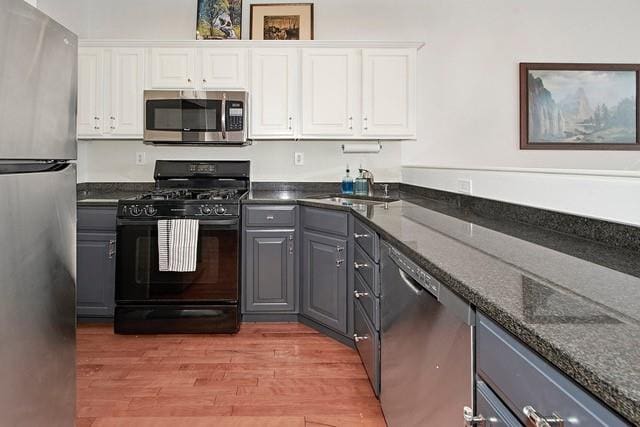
(269, 260)
(491, 411)
(96, 270)
(96, 274)
(505, 364)
(325, 284)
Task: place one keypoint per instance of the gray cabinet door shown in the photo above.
(324, 284)
(269, 261)
(96, 274)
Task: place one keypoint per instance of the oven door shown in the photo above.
(183, 116)
(139, 280)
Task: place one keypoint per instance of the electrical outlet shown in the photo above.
(141, 158)
(298, 159)
(465, 186)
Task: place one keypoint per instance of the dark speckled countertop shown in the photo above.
(574, 301)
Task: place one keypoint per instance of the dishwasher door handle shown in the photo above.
(417, 289)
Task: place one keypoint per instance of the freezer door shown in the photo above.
(38, 83)
(37, 298)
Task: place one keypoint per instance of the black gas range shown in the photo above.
(202, 301)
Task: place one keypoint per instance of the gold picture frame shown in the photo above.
(282, 21)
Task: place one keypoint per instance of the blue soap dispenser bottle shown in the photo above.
(347, 183)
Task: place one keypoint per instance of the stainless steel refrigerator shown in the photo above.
(38, 86)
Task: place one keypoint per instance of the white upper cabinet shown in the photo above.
(389, 93)
(90, 92)
(173, 68)
(223, 68)
(330, 93)
(274, 93)
(127, 88)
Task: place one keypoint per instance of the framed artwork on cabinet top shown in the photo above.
(282, 21)
(219, 20)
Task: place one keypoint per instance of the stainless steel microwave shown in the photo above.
(195, 117)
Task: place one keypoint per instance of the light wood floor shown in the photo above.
(268, 375)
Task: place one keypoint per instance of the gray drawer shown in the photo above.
(368, 345)
(369, 270)
(270, 216)
(367, 239)
(97, 219)
(369, 302)
(489, 406)
(326, 220)
(522, 378)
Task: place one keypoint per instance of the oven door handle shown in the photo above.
(204, 223)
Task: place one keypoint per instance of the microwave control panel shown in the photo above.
(235, 116)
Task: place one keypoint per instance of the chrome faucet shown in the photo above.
(368, 175)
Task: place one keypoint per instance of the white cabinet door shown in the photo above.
(389, 93)
(274, 93)
(223, 68)
(127, 88)
(330, 93)
(173, 68)
(90, 92)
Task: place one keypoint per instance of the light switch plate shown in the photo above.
(298, 159)
(465, 186)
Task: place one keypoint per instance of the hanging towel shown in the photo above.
(177, 244)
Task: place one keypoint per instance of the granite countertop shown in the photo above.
(553, 291)
(574, 301)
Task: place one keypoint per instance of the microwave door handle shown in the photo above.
(224, 116)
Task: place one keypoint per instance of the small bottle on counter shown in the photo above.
(347, 183)
(360, 186)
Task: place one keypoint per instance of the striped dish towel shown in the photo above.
(177, 244)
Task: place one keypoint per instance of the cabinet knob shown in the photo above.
(96, 118)
(359, 266)
(112, 248)
(112, 118)
(366, 123)
(541, 421)
(188, 80)
(96, 127)
(360, 294)
(472, 421)
(350, 122)
(290, 122)
(358, 338)
(204, 80)
(360, 236)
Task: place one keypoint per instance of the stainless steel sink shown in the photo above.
(350, 201)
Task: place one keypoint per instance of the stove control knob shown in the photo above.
(206, 210)
(135, 210)
(220, 210)
(150, 211)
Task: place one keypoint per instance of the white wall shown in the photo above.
(469, 102)
(70, 13)
(271, 161)
(470, 80)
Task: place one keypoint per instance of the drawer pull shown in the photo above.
(360, 236)
(270, 217)
(470, 420)
(360, 294)
(541, 421)
(359, 266)
(358, 338)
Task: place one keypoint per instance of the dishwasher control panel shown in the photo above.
(425, 279)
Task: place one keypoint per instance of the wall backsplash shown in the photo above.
(115, 161)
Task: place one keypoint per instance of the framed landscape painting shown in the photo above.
(219, 19)
(579, 106)
(282, 21)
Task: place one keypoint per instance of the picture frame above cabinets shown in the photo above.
(298, 90)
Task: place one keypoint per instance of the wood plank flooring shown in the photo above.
(280, 375)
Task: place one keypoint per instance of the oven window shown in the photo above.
(184, 115)
(139, 278)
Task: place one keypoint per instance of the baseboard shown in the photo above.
(275, 317)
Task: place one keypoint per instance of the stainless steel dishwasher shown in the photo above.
(426, 345)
